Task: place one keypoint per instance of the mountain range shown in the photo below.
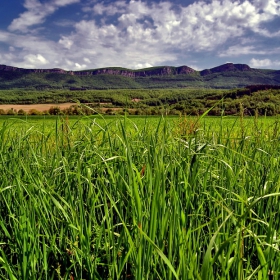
(228, 75)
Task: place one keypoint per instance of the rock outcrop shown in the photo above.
(185, 70)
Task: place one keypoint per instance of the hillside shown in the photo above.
(225, 76)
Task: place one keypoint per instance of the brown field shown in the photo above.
(45, 107)
(38, 107)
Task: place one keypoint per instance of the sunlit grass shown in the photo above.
(139, 198)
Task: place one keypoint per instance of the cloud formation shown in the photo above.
(264, 63)
(149, 33)
(36, 13)
(144, 33)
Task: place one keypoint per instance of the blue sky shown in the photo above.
(87, 34)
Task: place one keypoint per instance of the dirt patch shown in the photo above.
(38, 107)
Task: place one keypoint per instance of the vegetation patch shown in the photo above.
(261, 100)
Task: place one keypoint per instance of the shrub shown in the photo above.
(55, 110)
(34, 112)
(21, 112)
(11, 112)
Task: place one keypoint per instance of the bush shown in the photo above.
(21, 112)
(110, 112)
(34, 112)
(55, 111)
(11, 112)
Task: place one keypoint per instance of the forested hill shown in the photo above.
(224, 76)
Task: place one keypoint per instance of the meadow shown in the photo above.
(121, 197)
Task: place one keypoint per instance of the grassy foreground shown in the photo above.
(114, 199)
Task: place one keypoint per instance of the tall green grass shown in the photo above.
(113, 200)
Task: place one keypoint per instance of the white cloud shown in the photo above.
(270, 6)
(118, 7)
(260, 62)
(264, 63)
(31, 51)
(64, 23)
(86, 60)
(150, 32)
(79, 66)
(144, 65)
(238, 50)
(61, 3)
(66, 42)
(35, 60)
(241, 50)
(36, 13)
(4, 36)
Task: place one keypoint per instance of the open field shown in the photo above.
(39, 107)
(139, 198)
(63, 108)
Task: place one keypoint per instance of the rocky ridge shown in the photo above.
(154, 71)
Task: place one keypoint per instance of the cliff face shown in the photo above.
(160, 71)
(228, 67)
(106, 71)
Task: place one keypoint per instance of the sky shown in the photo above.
(89, 34)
